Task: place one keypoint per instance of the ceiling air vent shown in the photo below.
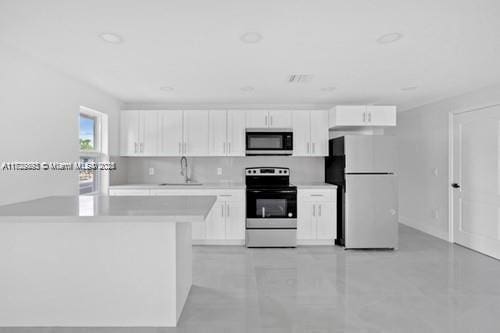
(300, 78)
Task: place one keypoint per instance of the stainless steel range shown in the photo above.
(271, 208)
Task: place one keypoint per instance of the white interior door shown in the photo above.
(476, 173)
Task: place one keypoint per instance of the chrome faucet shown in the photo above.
(184, 169)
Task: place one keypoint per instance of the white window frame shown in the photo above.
(100, 151)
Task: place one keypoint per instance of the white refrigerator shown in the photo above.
(363, 168)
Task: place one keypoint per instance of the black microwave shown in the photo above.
(269, 142)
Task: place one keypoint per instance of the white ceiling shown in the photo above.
(449, 47)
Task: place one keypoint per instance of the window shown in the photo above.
(93, 149)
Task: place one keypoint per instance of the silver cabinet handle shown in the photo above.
(224, 147)
(222, 210)
(316, 195)
(141, 146)
(263, 211)
(229, 147)
(135, 147)
(228, 211)
(319, 210)
(314, 147)
(225, 195)
(364, 117)
(314, 210)
(266, 121)
(308, 147)
(180, 152)
(369, 117)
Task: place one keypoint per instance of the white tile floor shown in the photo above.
(427, 285)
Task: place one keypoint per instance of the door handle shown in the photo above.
(314, 147)
(263, 212)
(455, 185)
(364, 117)
(319, 210)
(314, 210)
(141, 147)
(135, 147)
(228, 211)
(229, 147)
(308, 147)
(369, 117)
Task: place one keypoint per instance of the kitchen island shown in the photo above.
(97, 260)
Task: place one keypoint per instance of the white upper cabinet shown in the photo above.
(257, 119)
(138, 133)
(226, 133)
(280, 119)
(362, 115)
(236, 133)
(381, 115)
(171, 137)
(310, 133)
(195, 133)
(268, 119)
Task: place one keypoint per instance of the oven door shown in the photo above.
(269, 143)
(271, 208)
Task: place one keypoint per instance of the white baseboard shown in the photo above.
(218, 242)
(424, 228)
(315, 242)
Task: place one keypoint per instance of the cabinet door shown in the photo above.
(326, 221)
(129, 133)
(236, 133)
(280, 119)
(306, 220)
(257, 119)
(217, 133)
(215, 222)
(348, 115)
(149, 133)
(195, 133)
(170, 132)
(319, 133)
(381, 115)
(235, 220)
(301, 133)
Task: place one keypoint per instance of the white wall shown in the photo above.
(39, 116)
(423, 142)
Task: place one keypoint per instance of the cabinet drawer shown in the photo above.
(230, 195)
(129, 192)
(320, 195)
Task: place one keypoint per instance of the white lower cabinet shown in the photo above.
(225, 224)
(316, 216)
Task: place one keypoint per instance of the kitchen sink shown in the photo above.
(181, 184)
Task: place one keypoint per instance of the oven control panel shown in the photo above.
(267, 171)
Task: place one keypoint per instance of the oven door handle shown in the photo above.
(271, 191)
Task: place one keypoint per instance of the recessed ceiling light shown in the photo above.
(166, 88)
(111, 38)
(328, 89)
(251, 37)
(389, 38)
(409, 88)
(247, 89)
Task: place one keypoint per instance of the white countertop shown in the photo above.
(315, 185)
(110, 209)
(203, 186)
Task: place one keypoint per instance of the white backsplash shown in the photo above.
(204, 169)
